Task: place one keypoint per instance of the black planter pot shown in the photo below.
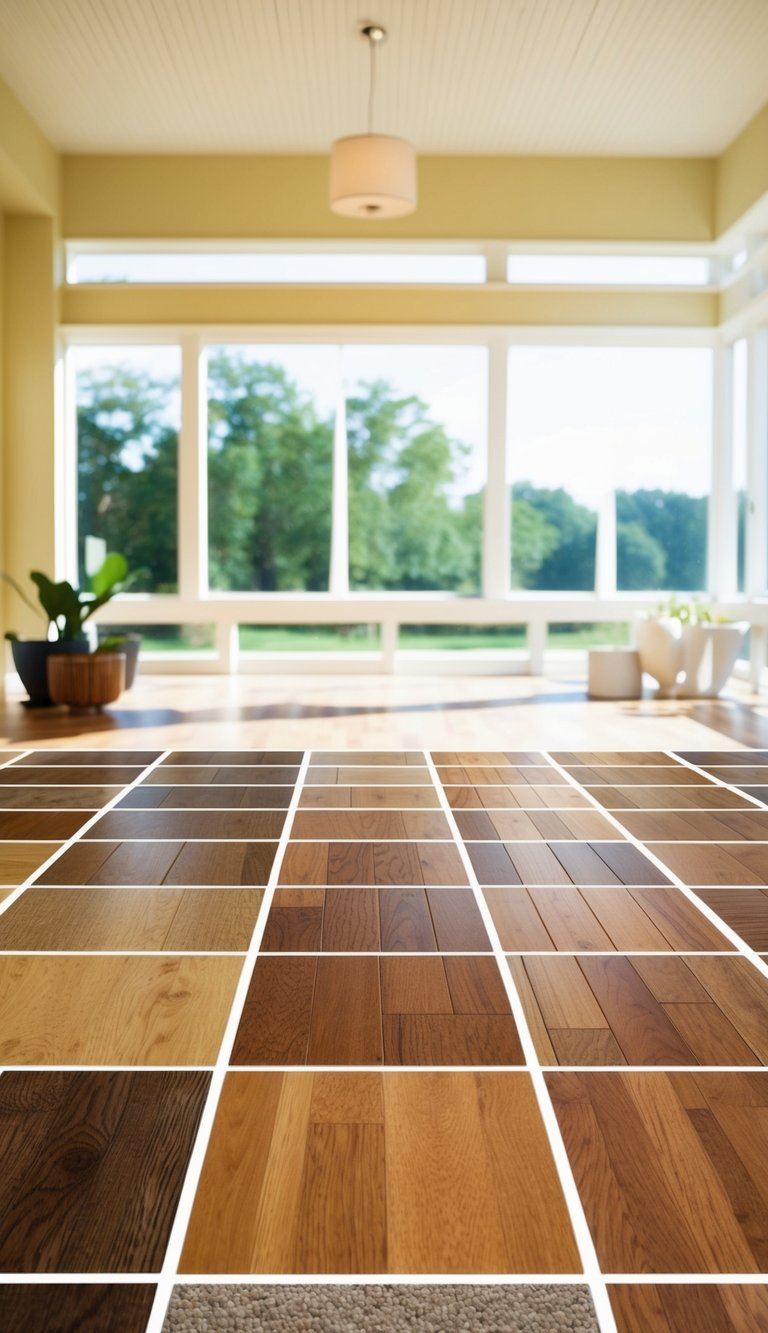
(30, 657)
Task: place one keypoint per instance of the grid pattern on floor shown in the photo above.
(492, 1015)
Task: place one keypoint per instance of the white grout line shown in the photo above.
(65, 846)
(197, 1157)
(581, 1231)
(730, 934)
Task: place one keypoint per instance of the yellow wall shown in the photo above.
(30, 169)
(637, 199)
(742, 173)
(29, 344)
(208, 304)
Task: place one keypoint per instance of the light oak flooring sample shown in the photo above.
(664, 798)
(368, 758)
(388, 1172)
(366, 824)
(369, 1011)
(671, 1168)
(598, 919)
(368, 798)
(391, 920)
(114, 1010)
(516, 798)
(19, 860)
(693, 1010)
(653, 1307)
(609, 758)
(484, 758)
(698, 825)
(91, 1169)
(361, 775)
(372, 863)
(194, 920)
(184, 863)
(744, 910)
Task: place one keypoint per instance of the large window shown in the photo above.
(416, 434)
(270, 448)
(128, 419)
(619, 435)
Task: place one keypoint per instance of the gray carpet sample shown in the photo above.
(460, 1308)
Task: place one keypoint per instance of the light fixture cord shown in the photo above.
(371, 83)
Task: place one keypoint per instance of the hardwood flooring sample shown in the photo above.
(406, 922)
(457, 922)
(678, 919)
(741, 775)
(19, 860)
(586, 919)
(92, 1307)
(368, 798)
(483, 758)
(660, 1011)
(670, 775)
(45, 825)
(146, 825)
(52, 775)
(92, 1170)
(368, 758)
(680, 1307)
(707, 863)
(329, 1011)
(661, 798)
(607, 758)
(698, 825)
(352, 775)
(671, 1169)
(369, 824)
(240, 775)
(270, 758)
(728, 758)
(744, 910)
(369, 863)
(89, 758)
(56, 798)
(519, 797)
(350, 921)
(147, 863)
(391, 919)
(317, 1173)
(294, 925)
(500, 776)
(114, 1010)
(206, 798)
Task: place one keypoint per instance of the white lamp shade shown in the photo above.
(373, 176)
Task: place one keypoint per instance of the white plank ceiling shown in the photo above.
(456, 76)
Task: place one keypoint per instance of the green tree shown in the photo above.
(678, 524)
(534, 540)
(568, 565)
(640, 560)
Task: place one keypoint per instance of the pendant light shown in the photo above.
(373, 175)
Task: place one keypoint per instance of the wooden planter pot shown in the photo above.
(86, 681)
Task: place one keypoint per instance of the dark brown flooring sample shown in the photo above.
(653, 1307)
(176, 775)
(729, 758)
(58, 1307)
(396, 919)
(570, 919)
(646, 1011)
(665, 798)
(149, 824)
(367, 1010)
(741, 775)
(206, 798)
(671, 1168)
(177, 919)
(180, 863)
(744, 910)
(759, 793)
(56, 825)
(319, 863)
(91, 758)
(92, 1167)
(84, 776)
(562, 863)
(270, 758)
(56, 798)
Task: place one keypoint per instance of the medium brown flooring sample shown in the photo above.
(650, 1011)
(72, 1009)
(698, 825)
(92, 1168)
(672, 775)
(19, 860)
(330, 1011)
(120, 825)
(606, 758)
(91, 1307)
(368, 798)
(368, 758)
(393, 920)
(367, 824)
(186, 864)
(160, 797)
(484, 758)
(183, 920)
(47, 825)
(369, 863)
(681, 1307)
(516, 798)
(744, 910)
(499, 775)
(514, 825)
(570, 919)
(661, 798)
(379, 1173)
(708, 863)
(671, 1168)
(56, 798)
(580, 863)
(352, 775)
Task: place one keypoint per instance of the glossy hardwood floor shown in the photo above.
(464, 977)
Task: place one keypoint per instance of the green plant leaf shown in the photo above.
(113, 571)
(60, 602)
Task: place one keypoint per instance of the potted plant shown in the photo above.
(85, 682)
(66, 610)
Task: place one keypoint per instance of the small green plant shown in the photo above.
(690, 612)
(65, 608)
